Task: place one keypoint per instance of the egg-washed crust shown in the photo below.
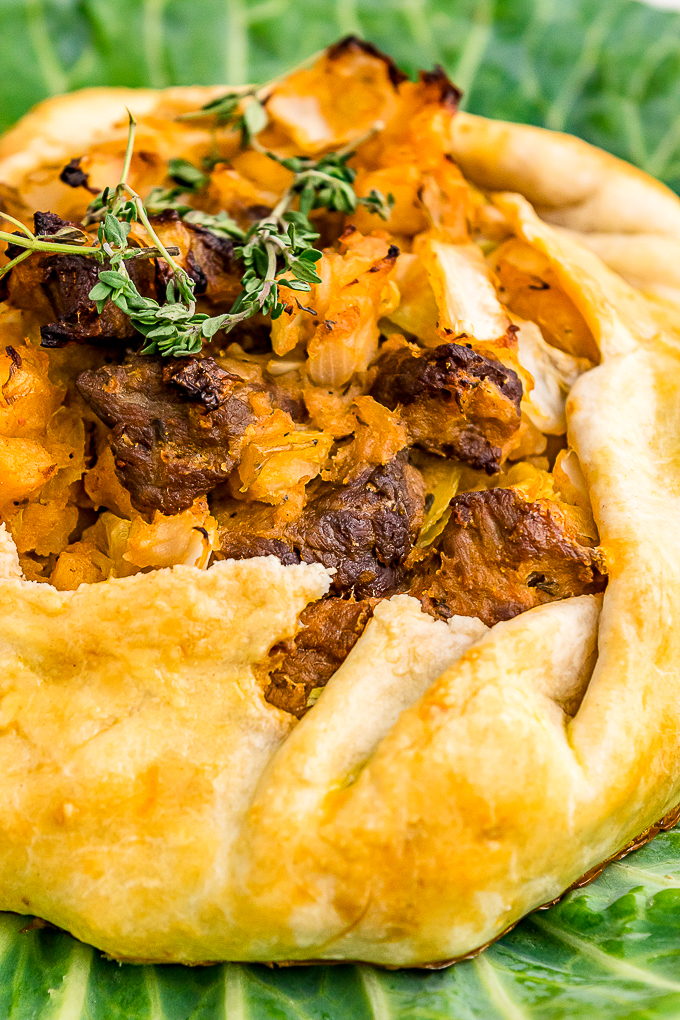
(451, 778)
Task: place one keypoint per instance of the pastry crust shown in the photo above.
(450, 778)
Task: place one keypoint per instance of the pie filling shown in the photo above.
(396, 413)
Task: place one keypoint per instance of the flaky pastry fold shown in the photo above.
(450, 778)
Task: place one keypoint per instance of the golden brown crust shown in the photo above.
(626, 217)
(438, 790)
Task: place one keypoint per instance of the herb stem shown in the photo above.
(141, 212)
(15, 262)
(271, 272)
(132, 128)
(33, 244)
(17, 223)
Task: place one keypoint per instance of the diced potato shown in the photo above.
(278, 458)
(408, 215)
(330, 409)
(27, 397)
(419, 132)
(81, 563)
(261, 171)
(25, 466)
(104, 489)
(236, 195)
(379, 436)
(339, 98)
(44, 528)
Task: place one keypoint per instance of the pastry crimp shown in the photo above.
(339, 546)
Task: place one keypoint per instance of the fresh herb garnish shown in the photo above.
(277, 251)
(188, 179)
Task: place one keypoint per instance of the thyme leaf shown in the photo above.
(276, 253)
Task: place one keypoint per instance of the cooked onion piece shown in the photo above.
(552, 373)
(466, 299)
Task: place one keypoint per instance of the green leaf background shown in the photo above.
(607, 70)
(610, 951)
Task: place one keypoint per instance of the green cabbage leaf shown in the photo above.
(607, 71)
(610, 951)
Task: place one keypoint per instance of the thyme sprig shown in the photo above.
(101, 252)
(277, 252)
(111, 245)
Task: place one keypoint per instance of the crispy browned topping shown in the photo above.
(200, 379)
(500, 555)
(448, 94)
(353, 44)
(329, 630)
(454, 401)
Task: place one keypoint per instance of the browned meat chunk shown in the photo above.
(364, 530)
(249, 528)
(209, 259)
(212, 257)
(168, 450)
(455, 402)
(330, 630)
(500, 555)
(58, 286)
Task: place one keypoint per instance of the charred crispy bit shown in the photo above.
(329, 631)
(500, 555)
(353, 44)
(167, 450)
(75, 177)
(455, 402)
(201, 379)
(58, 286)
(449, 95)
(364, 530)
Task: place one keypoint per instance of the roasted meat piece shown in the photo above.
(247, 528)
(208, 258)
(58, 286)
(212, 256)
(329, 631)
(167, 449)
(455, 402)
(62, 283)
(500, 555)
(364, 530)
